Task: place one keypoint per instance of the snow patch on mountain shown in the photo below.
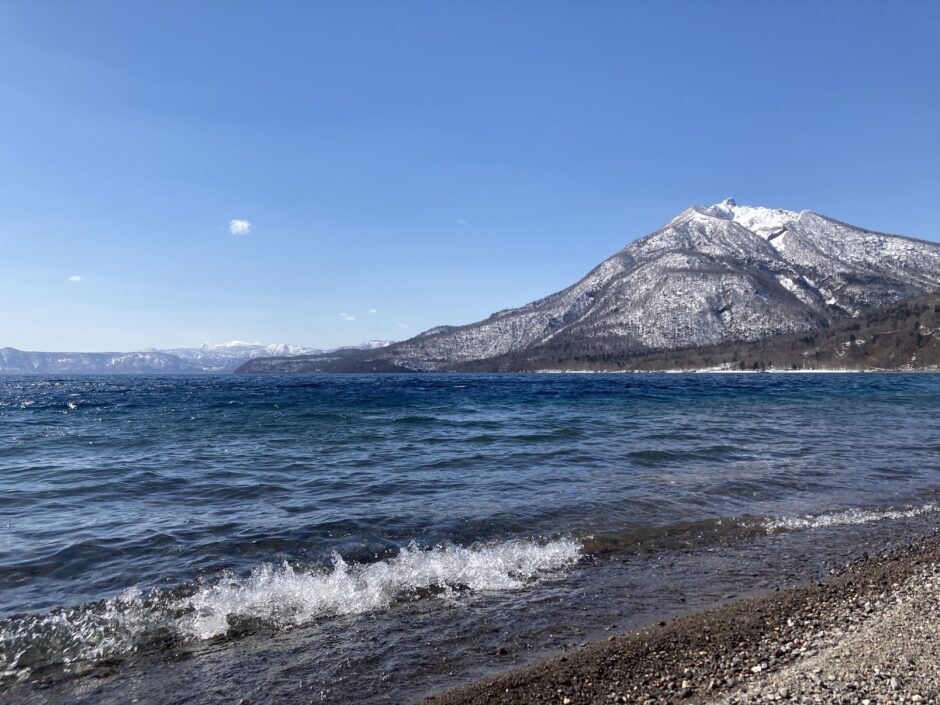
(766, 222)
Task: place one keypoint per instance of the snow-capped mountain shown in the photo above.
(368, 345)
(710, 275)
(13, 361)
(220, 357)
(224, 357)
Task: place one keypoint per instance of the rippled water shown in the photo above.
(152, 515)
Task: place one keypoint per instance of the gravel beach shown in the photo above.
(870, 634)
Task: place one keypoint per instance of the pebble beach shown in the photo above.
(870, 634)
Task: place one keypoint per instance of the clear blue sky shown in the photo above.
(431, 161)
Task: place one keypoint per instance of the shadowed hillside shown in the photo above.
(902, 336)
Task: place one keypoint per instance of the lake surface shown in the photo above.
(379, 536)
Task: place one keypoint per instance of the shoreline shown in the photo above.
(633, 588)
(728, 371)
(809, 643)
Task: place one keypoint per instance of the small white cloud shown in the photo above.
(373, 312)
(75, 278)
(347, 317)
(239, 227)
(402, 325)
(461, 221)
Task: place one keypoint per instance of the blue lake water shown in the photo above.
(142, 514)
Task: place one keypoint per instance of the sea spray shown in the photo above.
(277, 596)
(845, 517)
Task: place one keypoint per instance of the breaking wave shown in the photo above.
(844, 518)
(275, 596)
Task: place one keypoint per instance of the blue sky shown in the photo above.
(433, 162)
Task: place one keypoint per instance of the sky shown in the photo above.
(175, 173)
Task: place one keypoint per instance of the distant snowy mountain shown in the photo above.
(208, 358)
(224, 357)
(368, 345)
(710, 275)
(13, 361)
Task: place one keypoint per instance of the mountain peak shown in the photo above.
(766, 222)
(713, 275)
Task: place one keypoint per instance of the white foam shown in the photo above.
(285, 596)
(83, 633)
(278, 595)
(843, 518)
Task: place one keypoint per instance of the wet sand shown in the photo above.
(870, 634)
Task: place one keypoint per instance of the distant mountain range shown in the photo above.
(712, 276)
(209, 358)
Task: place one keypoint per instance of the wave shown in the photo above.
(844, 518)
(702, 532)
(712, 453)
(276, 596)
(284, 596)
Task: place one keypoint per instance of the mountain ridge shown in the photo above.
(901, 336)
(207, 358)
(708, 276)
